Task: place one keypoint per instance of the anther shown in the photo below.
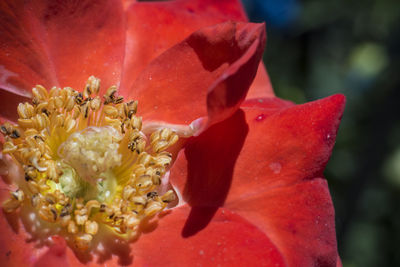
(102, 207)
(152, 195)
(83, 241)
(168, 197)
(18, 195)
(91, 227)
(4, 130)
(110, 95)
(66, 210)
(15, 134)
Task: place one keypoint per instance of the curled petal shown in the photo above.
(149, 35)
(210, 71)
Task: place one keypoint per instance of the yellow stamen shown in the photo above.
(86, 162)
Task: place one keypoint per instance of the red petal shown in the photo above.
(299, 219)
(204, 170)
(55, 256)
(282, 193)
(272, 181)
(59, 43)
(14, 248)
(212, 69)
(228, 240)
(287, 146)
(153, 27)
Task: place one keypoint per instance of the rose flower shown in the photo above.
(152, 137)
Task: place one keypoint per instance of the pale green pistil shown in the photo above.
(87, 160)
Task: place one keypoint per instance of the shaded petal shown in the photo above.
(204, 170)
(9, 104)
(274, 183)
(57, 43)
(228, 240)
(210, 71)
(283, 193)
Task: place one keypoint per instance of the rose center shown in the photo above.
(87, 162)
(92, 154)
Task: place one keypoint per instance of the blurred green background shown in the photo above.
(317, 48)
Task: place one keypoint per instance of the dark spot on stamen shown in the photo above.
(66, 210)
(107, 100)
(119, 100)
(102, 207)
(79, 98)
(116, 218)
(132, 146)
(88, 89)
(27, 177)
(130, 114)
(62, 214)
(14, 194)
(86, 112)
(49, 200)
(54, 213)
(38, 137)
(152, 194)
(3, 129)
(45, 111)
(15, 134)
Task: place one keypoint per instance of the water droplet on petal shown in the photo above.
(275, 167)
(260, 117)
